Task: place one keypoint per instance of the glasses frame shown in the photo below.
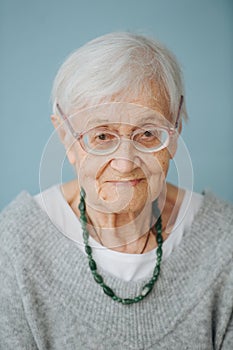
(79, 136)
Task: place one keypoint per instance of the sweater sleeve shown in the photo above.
(14, 329)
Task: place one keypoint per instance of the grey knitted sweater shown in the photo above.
(49, 300)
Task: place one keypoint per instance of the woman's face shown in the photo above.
(126, 180)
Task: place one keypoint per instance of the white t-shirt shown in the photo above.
(129, 267)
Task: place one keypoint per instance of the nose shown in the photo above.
(125, 159)
(123, 165)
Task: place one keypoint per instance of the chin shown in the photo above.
(125, 200)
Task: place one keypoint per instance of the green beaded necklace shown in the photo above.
(147, 288)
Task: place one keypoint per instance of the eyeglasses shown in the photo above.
(103, 140)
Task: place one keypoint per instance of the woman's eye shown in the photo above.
(148, 133)
(102, 137)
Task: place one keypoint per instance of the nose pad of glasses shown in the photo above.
(127, 147)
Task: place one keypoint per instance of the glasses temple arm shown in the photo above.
(178, 113)
(64, 117)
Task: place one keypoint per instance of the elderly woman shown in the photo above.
(117, 258)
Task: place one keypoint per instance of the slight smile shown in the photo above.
(133, 182)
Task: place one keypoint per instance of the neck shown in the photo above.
(127, 232)
(124, 232)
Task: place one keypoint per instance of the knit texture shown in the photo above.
(49, 299)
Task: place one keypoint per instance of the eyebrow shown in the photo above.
(95, 122)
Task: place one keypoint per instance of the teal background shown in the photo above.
(36, 37)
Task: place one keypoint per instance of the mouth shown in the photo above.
(133, 182)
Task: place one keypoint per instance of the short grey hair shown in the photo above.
(118, 66)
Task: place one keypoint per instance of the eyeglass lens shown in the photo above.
(101, 140)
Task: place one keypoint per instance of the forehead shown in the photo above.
(118, 113)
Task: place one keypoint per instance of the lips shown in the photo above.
(133, 182)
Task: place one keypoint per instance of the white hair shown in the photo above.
(118, 66)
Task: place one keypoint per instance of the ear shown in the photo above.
(56, 121)
(64, 137)
(174, 140)
(180, 127)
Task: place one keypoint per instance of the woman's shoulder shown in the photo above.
(18, 211)
(216, 209)
(22, 224)
(32, 245)
(212, 229)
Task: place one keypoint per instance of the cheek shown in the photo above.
(164, 164)
(162, 160)
(79, 156)
(84, 168)
(87, 169)
(158, 171)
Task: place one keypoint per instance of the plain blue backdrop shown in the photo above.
(36, 37)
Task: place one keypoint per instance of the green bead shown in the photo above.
(156, 271)
(155, 208)
(115, 297)
(83, 218)
(82, 207)
(107, 290)
(146, 289)
(138, 298)
(85, 234)
(98, 278)
(128, 301)
(88, 249)
(159, 239)
(151, 282)
(83, 224)
(159, 252)
(82, 193)
(92, 265)
(154, 278)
